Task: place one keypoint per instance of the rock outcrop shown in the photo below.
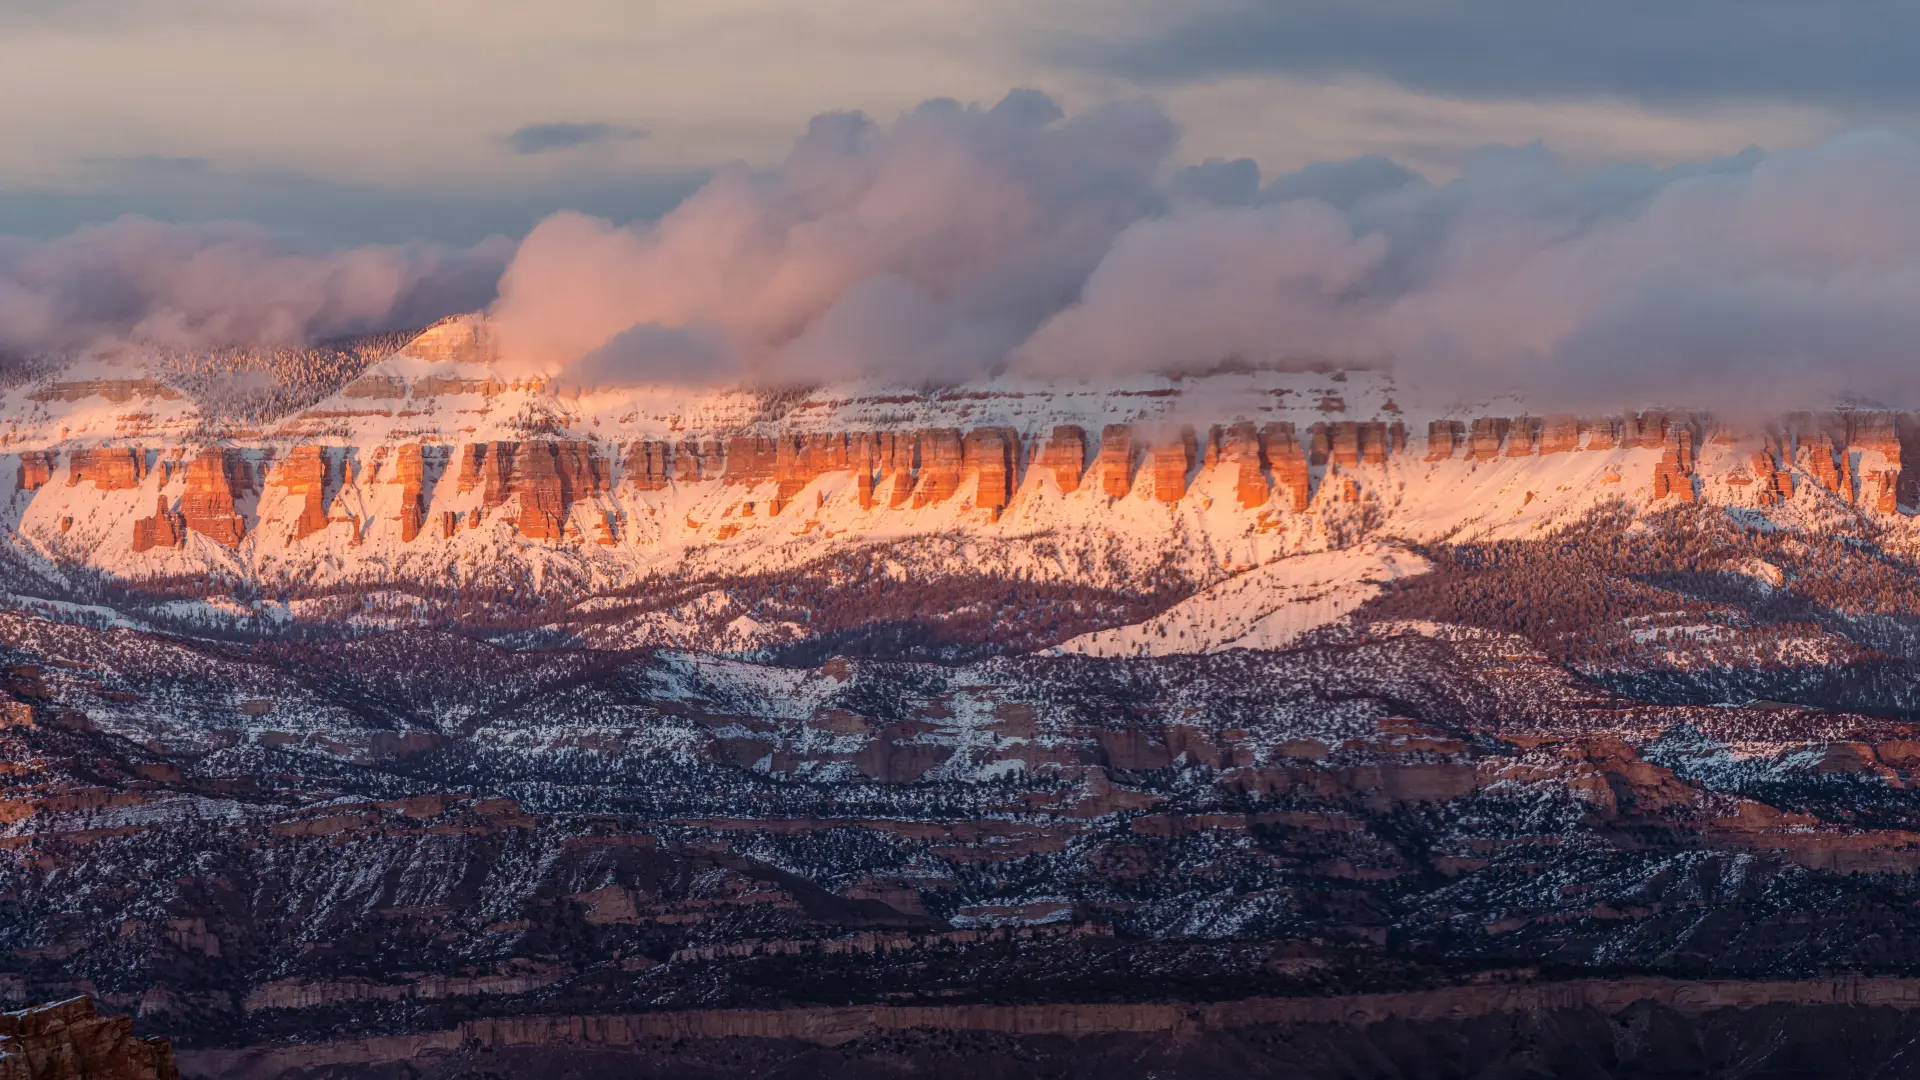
(215, 478)
(1287, 463)
(411, 474)
(942, 464)
(67, 1041)
(1065, 457)
(1775, 483)
(1171, 461)
(304, 475)
(36, 470)
(1238, 449)
(1560, 434)
(1673, 474)
(991, 455)
(648, 465)
(1523, 438)
(751, 459)
(1115, 464)
(1444, 438)
(110, 468)
(1486, 437)
(549, 477)
(165, 529)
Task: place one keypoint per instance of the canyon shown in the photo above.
(456, 723)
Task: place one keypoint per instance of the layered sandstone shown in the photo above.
(214, 479)
(110, 468)
(648, 465)
(1775, 483)
(549, 477)
(1444, 438)
(1287, 463)
(1115, 463)
(36, 470)
(799, 460)
(411, 475)
(751, 459)
(991, 455)
(1817, 449)
(1605, 433)
(1486, 436)
(1239, 451)
(1523, 438)
(304, 475)
(165, 529)
(1559, 434)
(942, 464)
(1673, 474)
(1065, 457)
(66, 1040)
(1171, 461)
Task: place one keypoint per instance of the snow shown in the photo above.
(1265, 608)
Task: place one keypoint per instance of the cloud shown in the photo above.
(961, 241)
(334, 213)
(925, 249)
(1846, 53)
(545, 138)
(142, 282)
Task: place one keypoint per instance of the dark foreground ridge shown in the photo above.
(65, 1040)
(1639, 1027)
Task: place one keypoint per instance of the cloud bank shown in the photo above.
(961, 241)
(139, 282)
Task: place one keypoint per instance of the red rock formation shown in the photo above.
(1483, 442)
(1776, 484)
(1287, 463)
(1444, 437)
(800, 459)
(1115, 462)
(111, 468)
(469, 458)
(699, 459)
(304, 474)
(1319, 445)
(1818, 450)
(449, 524)
(1374, 442)
(1559, 434)
(648, 465)
(1171, 461)
(1605, 433)
(1240, 451)
(411, 475)
(942, 462)
(164, 529)
(1523, 438)
(991, 455)
(751, 459)
(549, 477)
(1650, 430)
(1065, 456)
(1872, 433)
(1343, 443)
(67, 1041)
(214, 478)
(1673, 475)
(36, 470)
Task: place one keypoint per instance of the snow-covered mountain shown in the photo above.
(627, 513)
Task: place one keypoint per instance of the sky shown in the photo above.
(357, 121)
(1583, 196)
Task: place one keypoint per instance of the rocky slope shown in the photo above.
(452, 702)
